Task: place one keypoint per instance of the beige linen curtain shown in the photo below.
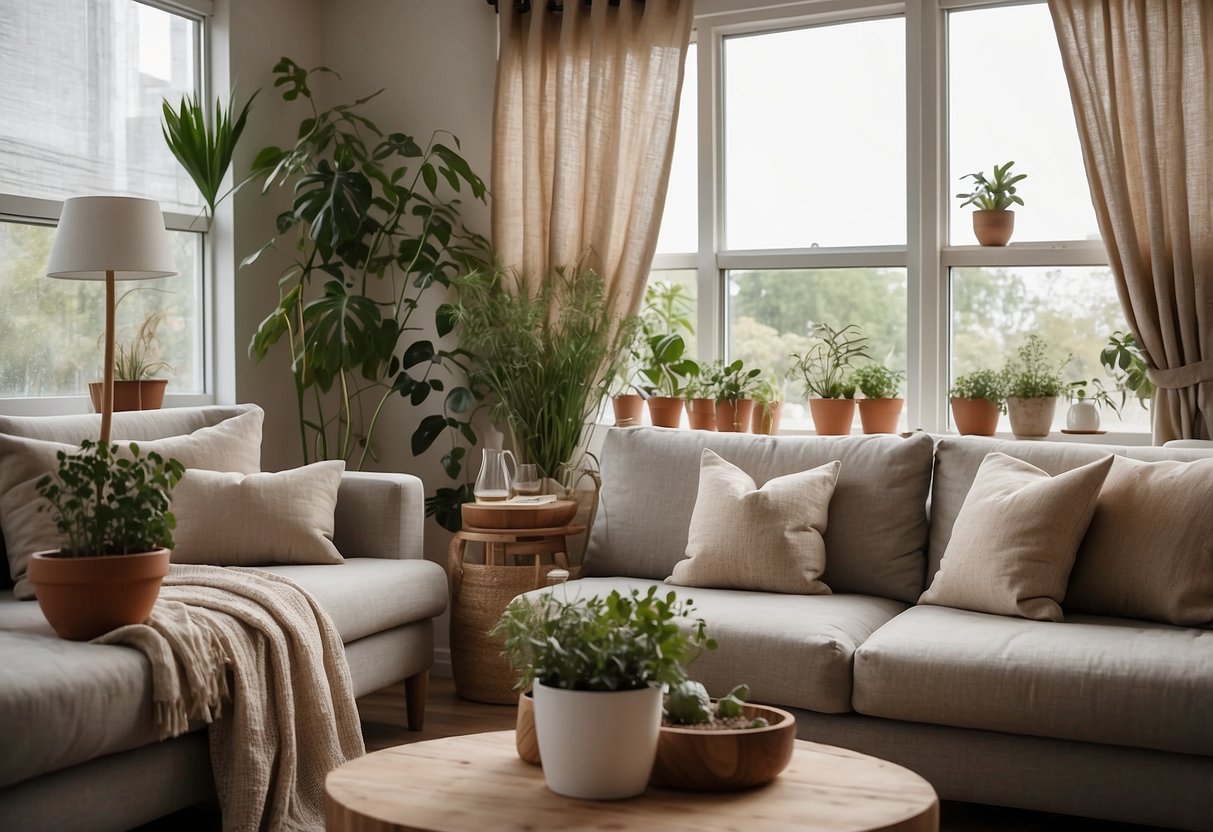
(1141, 79)
(583, 134)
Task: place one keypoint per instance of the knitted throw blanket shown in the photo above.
(253, 655)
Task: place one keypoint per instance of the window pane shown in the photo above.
(772, 312)
(53, 329)
(679, 223)
(1073, 309)
(815, 143)
(80, 103)
(999, 112)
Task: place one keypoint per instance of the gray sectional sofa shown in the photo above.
(78, 748)
(1094, 716)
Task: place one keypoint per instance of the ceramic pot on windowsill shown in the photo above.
(628, 410)
(993, 228)
(701, 414)
(665, 411)
(147, 394)
(734, 417)
(1031, 418)
(832, 417)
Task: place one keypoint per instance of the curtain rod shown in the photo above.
(556, 6)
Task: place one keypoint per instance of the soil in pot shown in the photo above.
(1031, 417)
(832, 417)
(701, 414)
(131, 395)
(975, 417)
(628, 410)
(765, 418)
(880, 415)
(734, 417)
(665, 411)
(83, 598)
(993, 228)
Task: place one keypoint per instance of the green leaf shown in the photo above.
(427, 433)
(333, 201)
(418, 352)
(343, 332)
(460, 400)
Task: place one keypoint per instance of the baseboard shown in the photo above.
(442, 662)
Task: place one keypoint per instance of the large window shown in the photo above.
(79, 115)
(830, 197)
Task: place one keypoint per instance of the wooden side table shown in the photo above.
(515, 561)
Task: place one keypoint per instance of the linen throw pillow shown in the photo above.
(229, 519)
(767, 539)
(1149, 551)
(1014, 540)
(233, 444)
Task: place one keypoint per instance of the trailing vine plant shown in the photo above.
(373, 225)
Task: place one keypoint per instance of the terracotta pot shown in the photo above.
(628, 410)
(83, 598)
(993, 228)
(734, 417)
(132, 395)
(1031, 417)
(765, 418)
(975, 417)
(701, 414)
(665, 411)
(880, 415)
(832, 417)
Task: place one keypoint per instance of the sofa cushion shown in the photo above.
(877, 523)
(367, 595)
(958, 458)
(230, 519)
(792, 650)
(1164, 509)
(137, 425)
(1092, 679)
(231, 445)
(1014, 541)
(764, 539)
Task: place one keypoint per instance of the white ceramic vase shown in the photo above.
(597, 745)
(1031, 418)
(1082, 417)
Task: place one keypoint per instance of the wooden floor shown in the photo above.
(446, 715)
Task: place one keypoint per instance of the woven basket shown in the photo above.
(479, 595)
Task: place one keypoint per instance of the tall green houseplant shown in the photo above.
(373, 225)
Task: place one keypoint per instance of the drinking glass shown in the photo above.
(527, 480)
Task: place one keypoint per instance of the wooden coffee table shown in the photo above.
(476, 783)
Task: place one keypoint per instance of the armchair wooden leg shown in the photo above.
(416, 688)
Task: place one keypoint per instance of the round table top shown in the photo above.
(476, 782)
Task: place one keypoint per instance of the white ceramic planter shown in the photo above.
(1031, 417)
(597, 746)
(1082, 416)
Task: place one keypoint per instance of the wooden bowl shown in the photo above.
(506, 516)
(725, 760)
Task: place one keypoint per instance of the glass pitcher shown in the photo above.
(493, 482)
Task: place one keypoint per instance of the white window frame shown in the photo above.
(926, 257)
(34, 211)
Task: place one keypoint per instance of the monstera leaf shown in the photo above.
(343, 332)
(334, 201)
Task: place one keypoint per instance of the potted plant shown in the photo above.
(700, 404)
(824, 368)
(731, 387)
(545, 355)
(136, 363)
(1086, 397)
(1032, 385)
(768, 405)
(664, 369)
(993, 223)
(598, 666)
(114, 515)
(627, 403)
(977, 398)
(1128, 365)
(880, 407)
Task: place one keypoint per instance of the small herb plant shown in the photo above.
(981, 384)
(876, 381)
(825, 364)
(729, 382)
(996, 194)
(621, 642)
(769, 390)
(1126, 361)
(1030, 375)
(110, 505)
(1091, 391)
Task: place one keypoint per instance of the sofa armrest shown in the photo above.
(380, 516)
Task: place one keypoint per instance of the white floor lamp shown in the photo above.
(110, 238)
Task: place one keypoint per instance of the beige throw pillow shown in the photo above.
(233, 444)
(1014, 540)
(1149, 550)
(767, 539)
(226, 519)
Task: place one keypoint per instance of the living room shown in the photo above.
(805, 171)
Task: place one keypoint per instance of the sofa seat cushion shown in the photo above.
(1092, 679)
(792, 650)
(365, 596)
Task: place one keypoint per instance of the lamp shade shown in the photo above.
(121, 234)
